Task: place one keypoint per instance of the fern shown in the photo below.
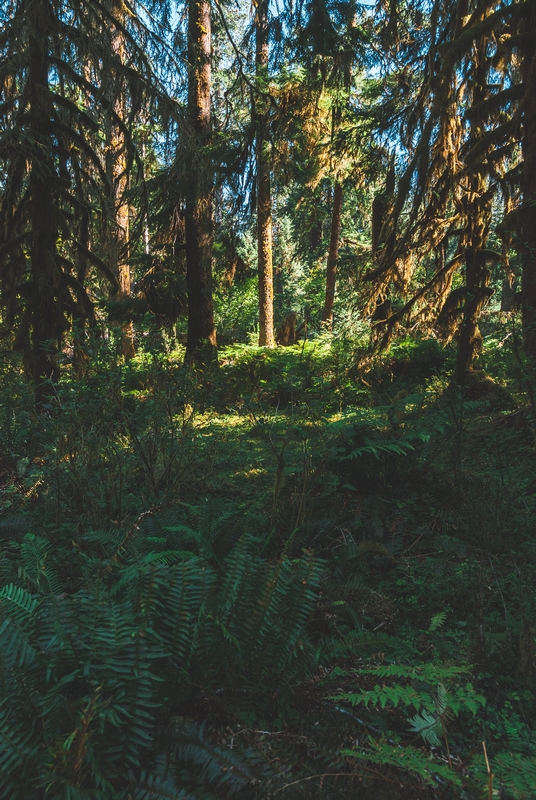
(400, 448)
(437, 621)
(350, 551)
(436, 709)
(36, 556)
(358, 643)
(428, 673)
(408, 759)
(513, 772)
(19, 750)
(151, 786)
(387, 695)
(218, 766)
(429, 725)
(17, 602)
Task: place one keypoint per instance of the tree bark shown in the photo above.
(117, 174)
(201, 342)
(477, 213)
(333, 256)
(264, 194)
(80, 357)
(527, 234)
(478, 293)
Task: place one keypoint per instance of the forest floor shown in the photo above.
(406, 505)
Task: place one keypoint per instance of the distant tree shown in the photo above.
(329, 41)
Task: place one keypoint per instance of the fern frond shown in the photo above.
(36, 555)
(359, 643)
(16, 648)
(427, 673)
(388, 695)
(158, 787)
(408, 759)
(437, 621)
(428, 725)
(17, 602)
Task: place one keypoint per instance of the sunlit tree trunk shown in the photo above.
(264, 194)
(333, 256)
(201, 342)
(117, 173)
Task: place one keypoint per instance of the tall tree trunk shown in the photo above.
(264, 194)
(80, 358)
(477, 212)
(47, 321)
(117, 174)
(201, 342)
(333, 256)
(527, 232)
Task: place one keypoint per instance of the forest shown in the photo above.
(268, 399)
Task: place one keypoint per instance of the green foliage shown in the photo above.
(407, 759)
(217, 591)
(97, 666)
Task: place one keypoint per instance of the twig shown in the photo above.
(490, 773)
(323, 775)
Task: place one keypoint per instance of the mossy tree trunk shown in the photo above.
(476, 204)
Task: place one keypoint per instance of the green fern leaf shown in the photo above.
(17, 602)
(428, 725)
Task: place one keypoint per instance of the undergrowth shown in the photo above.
(284, 578)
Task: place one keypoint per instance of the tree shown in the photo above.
(475, 203)
(264, 195)
(461, 155)
(201, 344)
(526, 224)
(333, 255)
(55, 181)
(329, 40)
(117, 162)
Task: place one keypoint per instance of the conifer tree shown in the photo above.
(201, 344)
(55, 182)
(116, 162)
(329, 43)
(526, 225)
(461, 130)
(264, 195)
